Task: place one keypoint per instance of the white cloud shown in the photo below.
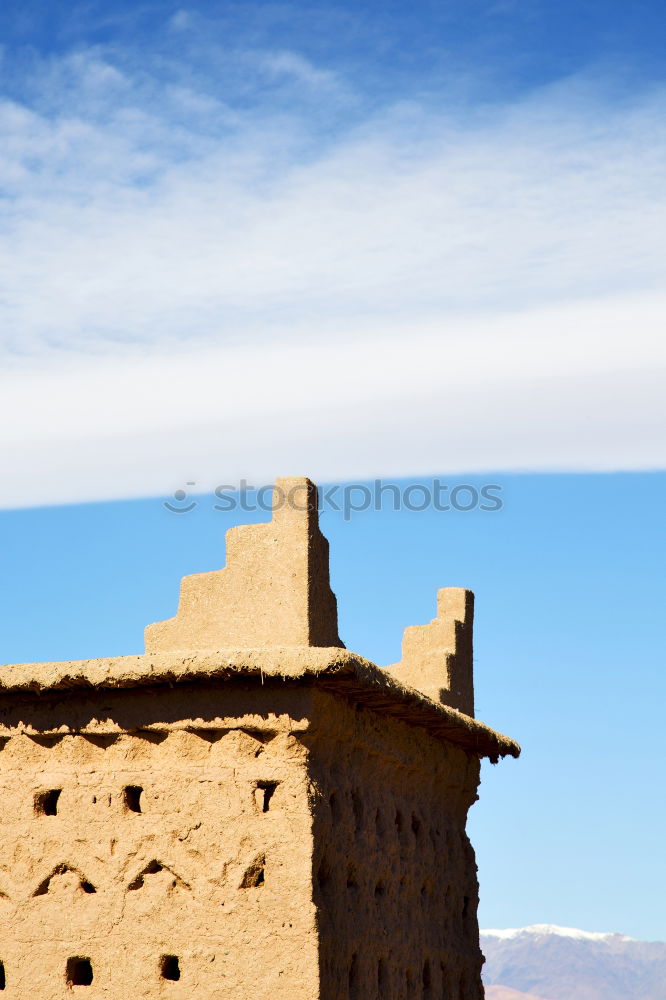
(292, 64)
(194, 291)
(181, 20)
(545, 389)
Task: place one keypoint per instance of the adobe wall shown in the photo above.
(214, 870)
(394, 872)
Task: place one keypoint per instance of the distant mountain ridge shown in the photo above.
(546, 962)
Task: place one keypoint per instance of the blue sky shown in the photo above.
(523, 43)
(354, 240)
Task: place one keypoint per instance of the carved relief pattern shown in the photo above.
(175, 887)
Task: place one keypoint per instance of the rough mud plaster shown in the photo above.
(394, 875)
(251, 706)
(167, 880)
(290, 843)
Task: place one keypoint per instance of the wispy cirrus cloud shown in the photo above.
(150, 216)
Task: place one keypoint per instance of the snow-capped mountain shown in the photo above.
(545, 962)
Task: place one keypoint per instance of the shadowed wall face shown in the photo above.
(394, 872)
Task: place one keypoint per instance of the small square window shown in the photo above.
(132, 798)
(170, 967)
(46, 802)
(79, 971)
(263, 793)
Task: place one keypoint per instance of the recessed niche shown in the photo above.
(263, 793)
(46, 802)
(79, 971)
(353, 978)
(101, 740)
(60, 877)
(324, 875)
(132, 798)
(152, 735)
(3, 978)
(357, 806)
(48, 742)
(255, 874)
(170, 968)
(152, 868)
(382, 977)
(210, 735)
(171, 880)
(426, 979)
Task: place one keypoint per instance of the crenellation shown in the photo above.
(273, 591)
(437, 658)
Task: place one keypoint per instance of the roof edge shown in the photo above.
(331, 668)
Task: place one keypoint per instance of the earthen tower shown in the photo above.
(247, 811)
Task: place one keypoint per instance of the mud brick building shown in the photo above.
(246, 811)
